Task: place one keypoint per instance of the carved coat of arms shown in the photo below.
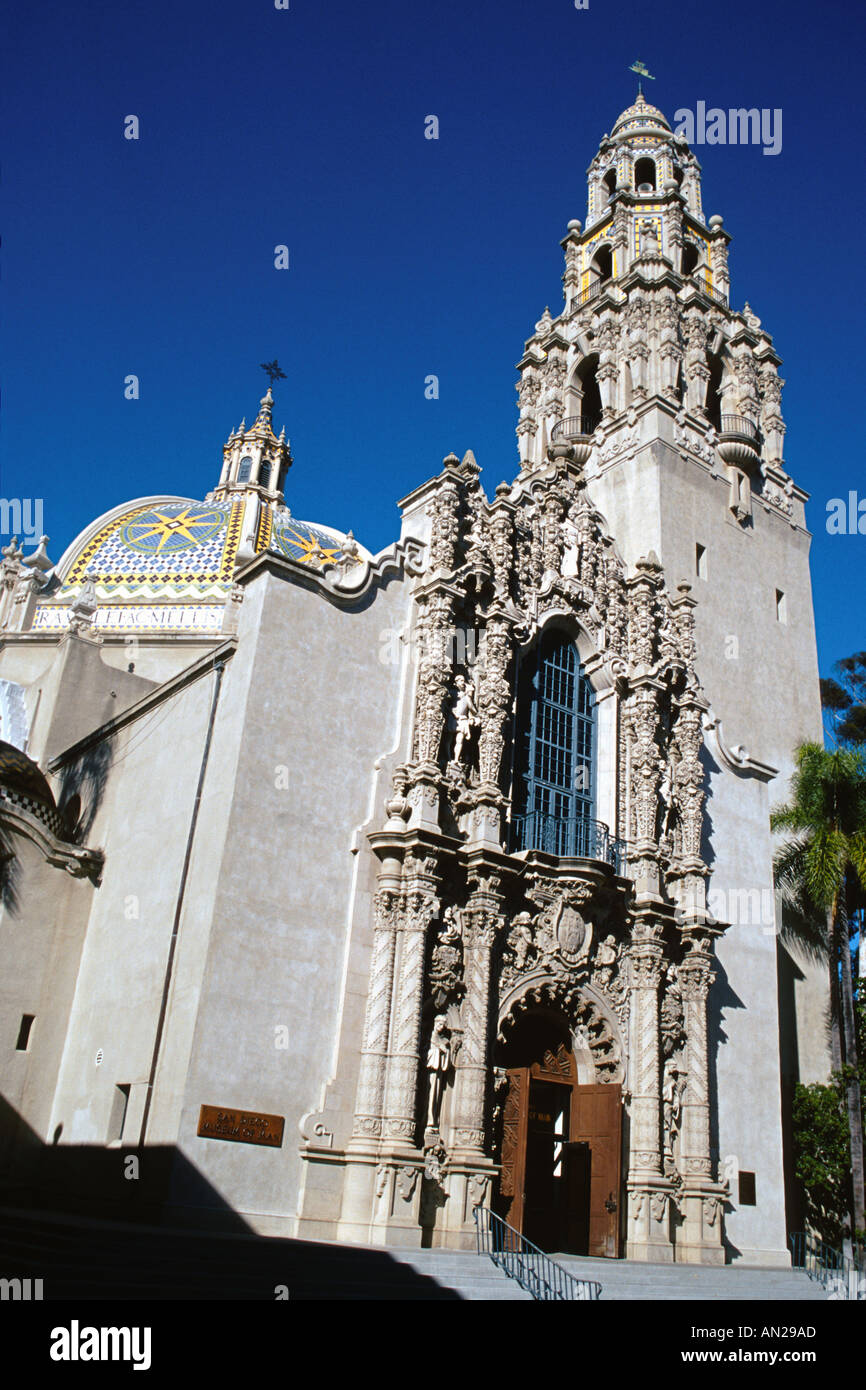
(569, 931)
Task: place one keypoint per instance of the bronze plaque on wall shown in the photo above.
(241, 1126)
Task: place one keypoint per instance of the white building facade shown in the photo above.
(441, 877)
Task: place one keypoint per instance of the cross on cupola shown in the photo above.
(255, 459)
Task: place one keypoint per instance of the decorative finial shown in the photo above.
(274, 372)
(638, 67)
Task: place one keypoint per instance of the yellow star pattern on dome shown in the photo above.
(170, 527)
(312, 551)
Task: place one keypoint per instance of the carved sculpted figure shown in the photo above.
(464, 715)
(666, 797)
(447, 961)
(520, 940)
(438, 1065)
(605, 961)
(672, 1091)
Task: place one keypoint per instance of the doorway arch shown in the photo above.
(561, 1141)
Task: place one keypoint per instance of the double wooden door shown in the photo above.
(561, 1158)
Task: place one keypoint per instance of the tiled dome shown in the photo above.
(177, 546)
(640, 119)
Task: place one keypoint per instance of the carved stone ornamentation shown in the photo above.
(446, 965)
(494, 699)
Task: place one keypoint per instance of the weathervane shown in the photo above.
(638, 67)
(274, 371)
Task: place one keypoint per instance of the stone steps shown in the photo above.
(628, 1279)
(79, 1258)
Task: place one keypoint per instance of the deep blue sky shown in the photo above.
(408, 256)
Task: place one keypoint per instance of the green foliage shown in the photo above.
(844, 700)
(822, 1158)
(822, 1152)
(827, 813)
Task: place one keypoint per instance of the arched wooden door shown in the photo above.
(561, 1145)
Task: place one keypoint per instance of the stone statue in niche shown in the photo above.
(439, 1060)
(464, 716)
(673, 1085)
(605, 961)
(666, 809)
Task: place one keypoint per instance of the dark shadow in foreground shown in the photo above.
(73, 1218)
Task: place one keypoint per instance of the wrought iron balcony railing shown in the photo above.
(591, 291)
(575, 427)
(703, 284)
(578, 838)
(521, 1260)
(739, 424)
(584, 296)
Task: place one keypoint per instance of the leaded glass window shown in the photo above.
(555, 785)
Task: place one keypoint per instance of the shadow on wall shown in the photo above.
(711, 770)
(10, 874)
(803, 936)
(74, 1219)
(789, 974)
(82, 787)
(722, 997)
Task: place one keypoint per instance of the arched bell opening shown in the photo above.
(691, 257)
(714, 389)
(601, 266)
(645, 175)
(583, 399)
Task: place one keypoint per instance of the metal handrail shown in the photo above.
(702, 281)
(575, 427)
(592, 290)
(739, 424)
(844, 1278)
(575, 838)
(521, 1260)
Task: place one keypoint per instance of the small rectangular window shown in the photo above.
(747, 1189)
(781, 607)
(23, 1042)
(701, 561)
(117, 1119)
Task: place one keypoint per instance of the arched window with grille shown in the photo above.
(554, 792)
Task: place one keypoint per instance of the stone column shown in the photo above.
(649, 1191)
(719, 256)
(701, 1198)
(371, 1079)
(697, 372)
(571, 246)
(494, 701)
(359, 1186)
(772, 424)
(645, 769)
(436, 633)
(401, 1089)
(608, 368)
(470, 1168)
(502, 541)
(669, 350)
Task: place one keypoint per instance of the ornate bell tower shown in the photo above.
(669, 401)
(647, 321)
